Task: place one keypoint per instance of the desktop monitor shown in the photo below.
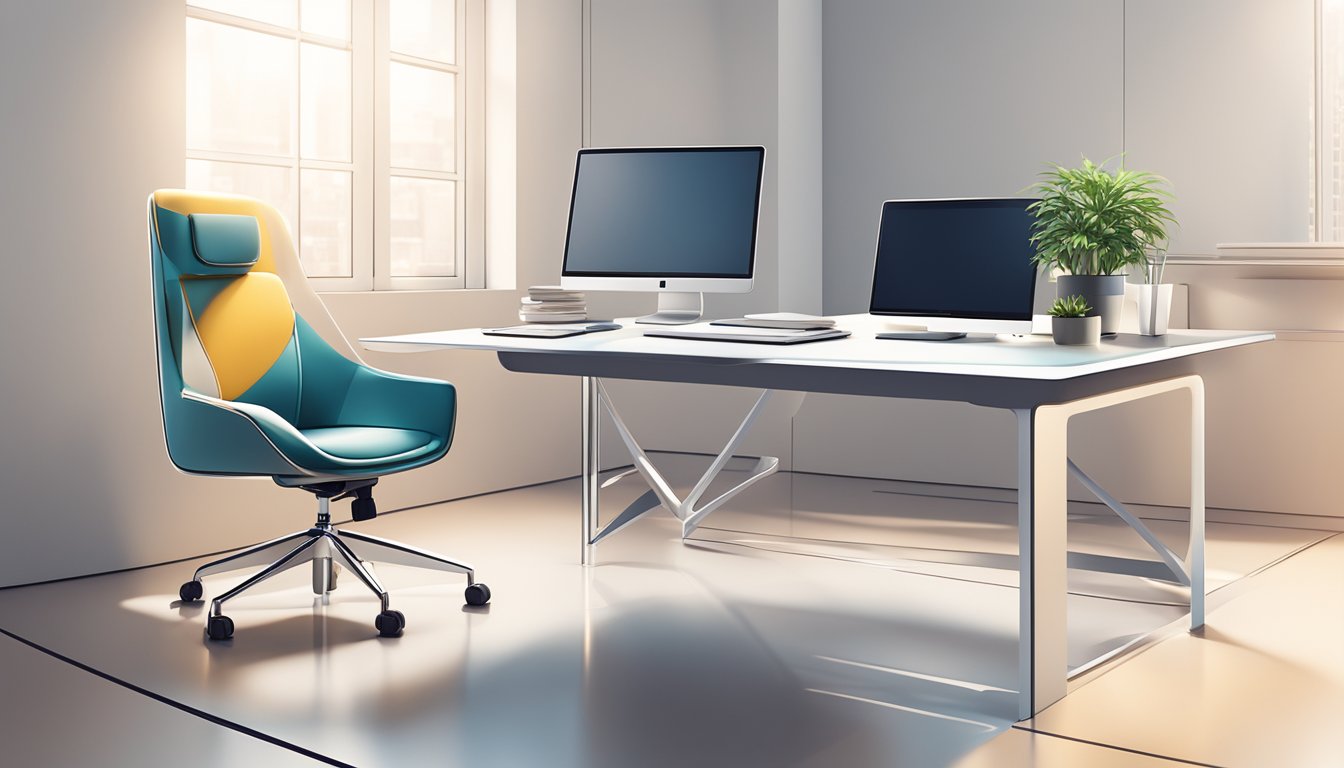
(955, 266)
(676, 220)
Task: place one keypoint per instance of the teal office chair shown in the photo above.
(256, 379)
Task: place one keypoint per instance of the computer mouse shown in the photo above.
(602, 326)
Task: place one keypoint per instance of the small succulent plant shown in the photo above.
(1069, 306)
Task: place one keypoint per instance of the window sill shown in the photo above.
(1270, 255)
(1280, 253)
(474, 292)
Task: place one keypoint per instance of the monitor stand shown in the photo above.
(676, 308)
(922, 335)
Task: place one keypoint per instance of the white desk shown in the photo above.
(1042, 383)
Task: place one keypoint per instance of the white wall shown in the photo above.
(94, 105)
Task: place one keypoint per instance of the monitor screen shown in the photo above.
(664, 212)
(955, 258)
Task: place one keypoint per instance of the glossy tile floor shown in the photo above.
(822, 622)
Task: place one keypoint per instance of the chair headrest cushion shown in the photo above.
(225, 243)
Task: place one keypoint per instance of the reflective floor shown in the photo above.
(820, 622)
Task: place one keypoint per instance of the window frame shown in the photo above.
(1322, 130)
(371, 172)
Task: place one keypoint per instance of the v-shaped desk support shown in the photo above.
(688, 510)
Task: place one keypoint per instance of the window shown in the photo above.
(1327, 194)
(360, 120)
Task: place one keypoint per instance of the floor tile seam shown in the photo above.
(913, 572)
(180, 706)
(1150, 511)
(1176, 628)
(1098, 503)
(1116, 747)
(1289, 555)
(1011, 492)
(219, 553)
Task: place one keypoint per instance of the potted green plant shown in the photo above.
(1071, 322)
(1094, 224)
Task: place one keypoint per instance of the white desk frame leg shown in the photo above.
(1042, 473)
(688, 510)
(591, 435)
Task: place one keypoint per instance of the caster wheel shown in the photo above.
(390, 623)
(477, 594)
(191, 591)
(219, 628)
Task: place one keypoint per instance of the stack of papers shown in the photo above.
(552, 304)
(781, 320)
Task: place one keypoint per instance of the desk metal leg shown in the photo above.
(1042, 663)
(1194, 559)
(1042, 471)
(591, 434)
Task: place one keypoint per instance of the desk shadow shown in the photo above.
(666, 683)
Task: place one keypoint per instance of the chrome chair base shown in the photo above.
(329, 550)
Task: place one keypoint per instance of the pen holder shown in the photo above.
(1154, 308)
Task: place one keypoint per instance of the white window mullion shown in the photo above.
(471, 143)
(382, 147)
(365, 107)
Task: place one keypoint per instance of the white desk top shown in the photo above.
(1034, 357)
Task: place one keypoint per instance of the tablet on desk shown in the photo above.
(710, 332)
(551, 331)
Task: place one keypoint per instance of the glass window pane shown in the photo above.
(240, 90)
(424, 28)
(329, 18)
(324, 103)
(422, 109)
(423, 227)
(271, 183)
(324, 223)
(278, 12)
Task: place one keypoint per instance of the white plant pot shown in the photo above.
(1154, 308)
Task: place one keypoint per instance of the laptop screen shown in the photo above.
(967, 258)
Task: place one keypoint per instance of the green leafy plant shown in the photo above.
(1069, 306)
(1090, 221)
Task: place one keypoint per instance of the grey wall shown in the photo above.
(94, 104)
(954, 99)
(696, 72)
(971, 97)
(1218, 100)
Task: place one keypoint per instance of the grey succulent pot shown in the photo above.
(1104, 293)
(1076, 331)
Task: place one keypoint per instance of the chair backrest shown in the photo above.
(226, 285)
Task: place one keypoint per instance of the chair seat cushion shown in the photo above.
(395, 445)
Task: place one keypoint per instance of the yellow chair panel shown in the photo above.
(244, 327)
